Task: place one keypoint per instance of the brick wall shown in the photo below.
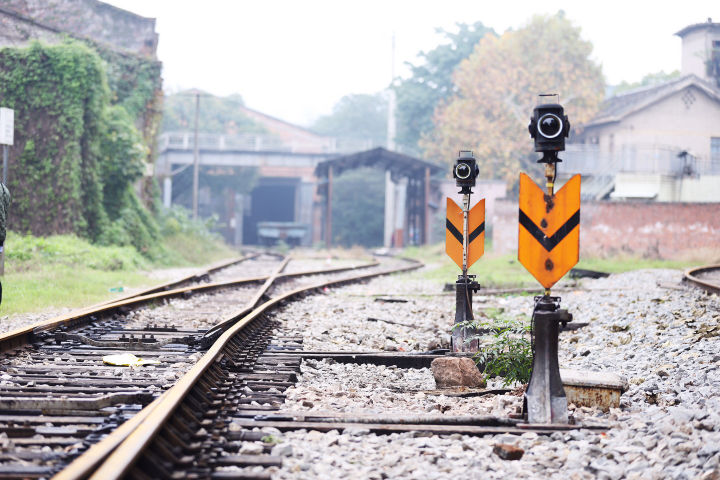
(654, 230)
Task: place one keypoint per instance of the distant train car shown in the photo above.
(270, 233)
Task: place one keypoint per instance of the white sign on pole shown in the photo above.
(7, 125)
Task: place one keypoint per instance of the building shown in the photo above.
(22, 21)
(662, 142)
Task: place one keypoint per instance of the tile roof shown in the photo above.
(618, 107)
(690, 28)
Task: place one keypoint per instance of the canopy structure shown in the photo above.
(407, 192)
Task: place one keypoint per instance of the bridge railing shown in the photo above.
(257, 143)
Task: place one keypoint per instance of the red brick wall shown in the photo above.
(655, 230)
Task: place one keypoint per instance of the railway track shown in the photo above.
(706, 278)
(58, 396)
(202, 426)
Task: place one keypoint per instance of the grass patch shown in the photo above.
(491, 270)
(188, 249)
(28, 253)
(60, 285)
(505, 271)
(67, 271)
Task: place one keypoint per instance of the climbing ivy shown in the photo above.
(123, 155)
(135, 83)
(59, 94)
(78, 143)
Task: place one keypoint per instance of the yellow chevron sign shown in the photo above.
(454, 232)
(549, 229)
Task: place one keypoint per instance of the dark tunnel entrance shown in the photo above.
(272, 200)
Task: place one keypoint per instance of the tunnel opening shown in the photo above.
(272, 213)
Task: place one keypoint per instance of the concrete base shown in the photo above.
(593, 389)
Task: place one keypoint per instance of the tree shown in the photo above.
(431, 82)
(357, 117)
(358, 204)
(648, 80)
(496, 91)
(217, 114)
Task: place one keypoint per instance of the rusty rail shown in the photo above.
(24, 335)
(691, 276)
(111, 458)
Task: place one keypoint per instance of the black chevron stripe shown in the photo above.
(476, 233)
(453, 231)
(549, 243)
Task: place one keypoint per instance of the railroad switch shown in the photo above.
(156, 328)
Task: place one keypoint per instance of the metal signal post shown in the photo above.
(464, 288)
(464, 243)
(548, 246)
(466, 211)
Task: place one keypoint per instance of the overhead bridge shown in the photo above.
(250, 179)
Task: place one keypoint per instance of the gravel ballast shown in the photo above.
(663, 340)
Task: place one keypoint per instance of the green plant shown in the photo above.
(282, 247)
(271, 439)
(506, 350)
(78, 150)
(59, 93)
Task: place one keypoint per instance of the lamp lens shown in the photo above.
(462, 171)
(550, 125)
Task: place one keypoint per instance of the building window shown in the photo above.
(715, 155)
(713, 64)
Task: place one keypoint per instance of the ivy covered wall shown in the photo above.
(78, 149)
(136, 84)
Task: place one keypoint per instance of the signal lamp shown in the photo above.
(465, 171)
(549, 126)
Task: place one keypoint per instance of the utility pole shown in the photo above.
(391, 125)
(196, 159)
(389, 225)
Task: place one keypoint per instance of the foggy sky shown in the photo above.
(294, 59)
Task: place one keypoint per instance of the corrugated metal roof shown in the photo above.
(399, 165)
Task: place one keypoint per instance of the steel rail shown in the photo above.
(84, 464)
(173, 284)
(23, 335)
(115, 459)
(691, 276)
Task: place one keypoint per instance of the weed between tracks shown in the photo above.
(506, 351)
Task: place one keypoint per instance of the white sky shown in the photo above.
(294, 59)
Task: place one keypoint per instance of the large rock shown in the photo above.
(456, 372)
(508, 452)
